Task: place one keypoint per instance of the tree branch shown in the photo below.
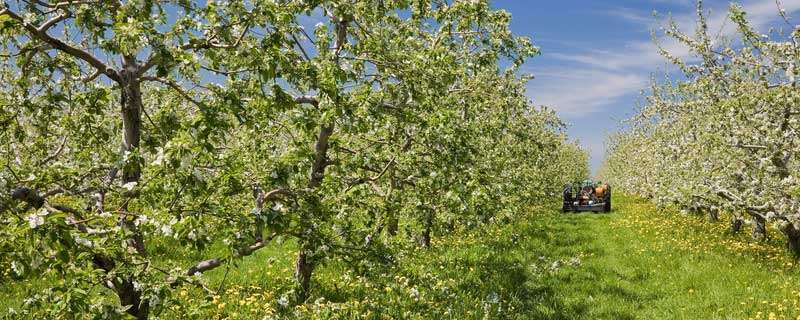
(275, 194)
(750, 146)
(725, 194)
(62, 46)
(55, 154)
(211, 264)
(321, 155)
(223, 72)
(211, 44)
(175, 86)
(302, 50)
(307, 99)
(50, 23)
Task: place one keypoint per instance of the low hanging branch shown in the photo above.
(211, 264)
(260, 197)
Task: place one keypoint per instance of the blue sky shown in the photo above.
(597, 55)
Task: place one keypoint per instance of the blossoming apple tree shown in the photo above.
(726, 136)
(134, 132)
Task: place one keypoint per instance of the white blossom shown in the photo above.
(36, 219)
(18, 270)
(283, 301)
(166, 230)
(414, 293)
(159, 160)
(129, 185)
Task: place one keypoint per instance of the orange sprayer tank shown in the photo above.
(600, 191)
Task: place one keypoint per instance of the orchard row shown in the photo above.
(723, 136)
(340, 125)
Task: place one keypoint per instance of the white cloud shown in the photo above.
(595, 79)
(631, 15)
(575, 93)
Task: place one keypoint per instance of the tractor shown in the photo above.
(587, 196)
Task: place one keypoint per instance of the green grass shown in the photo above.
(637, 262)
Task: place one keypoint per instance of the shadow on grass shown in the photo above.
(536, 270)
(548, 267)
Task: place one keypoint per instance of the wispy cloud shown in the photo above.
(574, 93)
(637, 17)
(594, 80)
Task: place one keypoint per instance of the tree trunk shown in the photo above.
(391, 227)
(759, 227)
(302, 273)
(736, 224)
(131, 135)
(131, 109)
(129, 296)
(303, 265)
(425, 240)
(792, 238)
(451, 224)
(391, 208)
(131, 126)
(713, 215)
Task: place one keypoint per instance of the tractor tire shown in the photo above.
(607, 206)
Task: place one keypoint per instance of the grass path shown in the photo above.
(643, 263)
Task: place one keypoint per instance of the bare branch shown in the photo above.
(750, 146)
(92, 76)
(297, 42)
(211, 44)
(44, 4)
(151, 62)
(277, 193)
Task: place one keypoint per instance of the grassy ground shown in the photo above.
(635, 263)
